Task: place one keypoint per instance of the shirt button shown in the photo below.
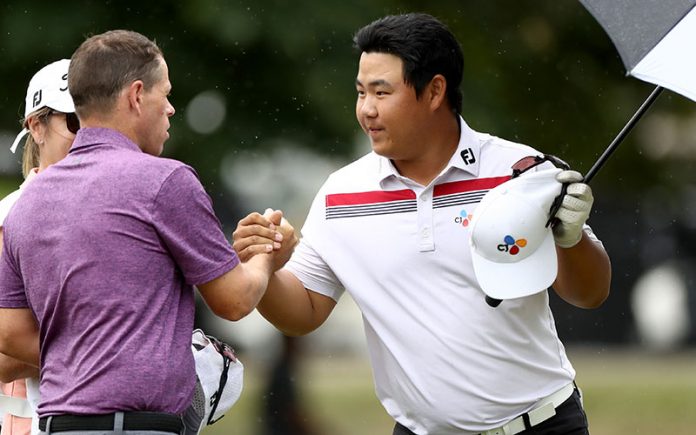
(425, 232)
(424, 198)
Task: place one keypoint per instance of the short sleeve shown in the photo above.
(12, 293)
(184, 218)
(306, 262)
(6, 205)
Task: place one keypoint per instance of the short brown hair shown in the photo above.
(104, 64)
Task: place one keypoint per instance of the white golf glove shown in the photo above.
(574, 210)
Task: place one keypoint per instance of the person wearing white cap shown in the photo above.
(50, 125)
(106, 309)
(395, 230)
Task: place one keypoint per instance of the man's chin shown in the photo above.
(378, 148)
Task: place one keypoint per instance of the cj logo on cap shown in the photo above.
(511, 245)
(37, 98)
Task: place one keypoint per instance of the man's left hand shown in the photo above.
(574, 210)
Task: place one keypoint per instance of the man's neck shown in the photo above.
(437, 153)
(111, 122)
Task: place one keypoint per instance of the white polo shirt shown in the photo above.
(444, 362)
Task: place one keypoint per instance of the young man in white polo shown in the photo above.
(393, 229)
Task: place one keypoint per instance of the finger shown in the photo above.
(580, 190)
(250, 251)
(254, 218)
(275, 216)
(571, 217)
(255, 230)
(575, 204)
(243, 243)
(569, 177)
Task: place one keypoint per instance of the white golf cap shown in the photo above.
(48, 88)
(512, 249)
(220, 377)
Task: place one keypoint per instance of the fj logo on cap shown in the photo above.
(37, 98)
(511, 245)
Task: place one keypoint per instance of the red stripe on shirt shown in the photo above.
(376, 197)
(468, 185)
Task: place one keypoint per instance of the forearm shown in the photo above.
(12, 369)
(291, 308)
(584, 274)
(236, 293)
(19, 335)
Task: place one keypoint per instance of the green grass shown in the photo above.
(626, 392)
(9, 185)
(638, 393)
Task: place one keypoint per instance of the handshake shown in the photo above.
(265, 233)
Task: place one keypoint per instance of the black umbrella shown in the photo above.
(657, 43)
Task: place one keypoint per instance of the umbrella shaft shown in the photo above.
(622, 134)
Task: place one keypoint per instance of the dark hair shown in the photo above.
(104, 64)
(425, 45)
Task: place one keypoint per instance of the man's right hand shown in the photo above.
(259, 234)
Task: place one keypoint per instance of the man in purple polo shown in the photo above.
(103, 250)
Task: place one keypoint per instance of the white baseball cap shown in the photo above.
(220, 376)
(48, 88)
(512, 248)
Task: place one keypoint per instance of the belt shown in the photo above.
(144, 421)
(545, 410)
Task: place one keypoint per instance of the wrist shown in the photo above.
(569, 240)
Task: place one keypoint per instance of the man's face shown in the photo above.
(387, 108)
(156, 109)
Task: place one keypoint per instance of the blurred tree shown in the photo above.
(540, 72)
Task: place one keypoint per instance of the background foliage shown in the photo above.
(541, 72)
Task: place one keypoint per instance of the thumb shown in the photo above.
(275, 216)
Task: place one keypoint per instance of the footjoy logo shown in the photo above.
(511, 245)
(464, 219)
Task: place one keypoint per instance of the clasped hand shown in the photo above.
(265, 233)
(574, 210)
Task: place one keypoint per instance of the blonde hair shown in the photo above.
(32, 154)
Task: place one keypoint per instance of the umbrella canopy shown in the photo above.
(656, 39)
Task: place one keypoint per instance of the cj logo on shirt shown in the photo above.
(468, 156)
(464, 218)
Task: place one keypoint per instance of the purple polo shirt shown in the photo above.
(105, 247)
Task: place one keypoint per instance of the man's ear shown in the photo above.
(436, 91)
(134, 94)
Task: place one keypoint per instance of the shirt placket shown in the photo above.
(425, 220)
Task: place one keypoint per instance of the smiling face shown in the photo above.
(387, 108)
